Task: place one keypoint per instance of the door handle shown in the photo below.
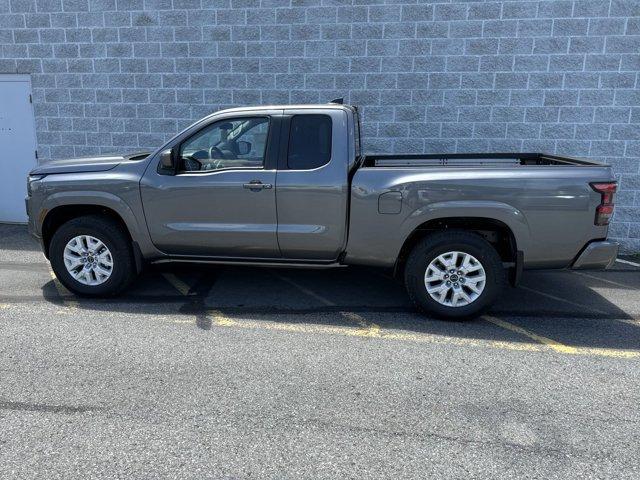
(256, 185)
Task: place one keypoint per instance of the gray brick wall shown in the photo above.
(557, 76)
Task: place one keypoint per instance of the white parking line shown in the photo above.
(629, 321)
(305, 290)
(605, 280)
(627, 262)
(559, 299)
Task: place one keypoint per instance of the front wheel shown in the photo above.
(454, 275)
(92, 256)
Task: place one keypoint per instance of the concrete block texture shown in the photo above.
(459, 75)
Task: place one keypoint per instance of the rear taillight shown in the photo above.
(604, 211)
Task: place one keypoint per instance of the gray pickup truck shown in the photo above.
(289, 186)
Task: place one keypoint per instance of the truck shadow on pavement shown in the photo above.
(588, 309)
(584, 309)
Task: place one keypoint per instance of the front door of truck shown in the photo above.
(220, 199)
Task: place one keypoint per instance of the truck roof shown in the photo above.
(327, 106)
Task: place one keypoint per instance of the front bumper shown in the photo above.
(31, 225)
(597, 255)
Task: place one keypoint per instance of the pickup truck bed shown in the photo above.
(544, 201)
(473, 160)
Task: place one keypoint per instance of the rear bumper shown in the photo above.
(597, 255)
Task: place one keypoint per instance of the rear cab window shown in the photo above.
(309, 142)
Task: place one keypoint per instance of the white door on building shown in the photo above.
(17, 145)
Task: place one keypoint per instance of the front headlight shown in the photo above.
(30, 180)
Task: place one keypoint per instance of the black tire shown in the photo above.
(433, 245)
(115, 239)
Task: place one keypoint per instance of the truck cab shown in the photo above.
(256, 183)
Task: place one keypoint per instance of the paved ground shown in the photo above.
(248, 373)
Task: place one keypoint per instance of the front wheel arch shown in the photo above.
(58, 216)
(107, 233)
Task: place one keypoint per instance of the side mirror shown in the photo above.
(243, 147)
(166, 160)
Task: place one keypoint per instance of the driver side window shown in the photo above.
(232, 143)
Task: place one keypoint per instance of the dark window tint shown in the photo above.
(309, 142)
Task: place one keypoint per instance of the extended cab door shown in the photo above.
(312, 184)
(220, 200)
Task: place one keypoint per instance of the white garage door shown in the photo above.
(17, 145)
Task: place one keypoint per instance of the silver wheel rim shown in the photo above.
(455, 279)
(88, 260)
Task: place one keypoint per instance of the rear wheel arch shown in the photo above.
(496, 232)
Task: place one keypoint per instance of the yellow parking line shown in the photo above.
(178, 284)
(563, 300)
(557, 346)
(368, 329)
(63, 293)
(59, 287)
(221, 320)
(561, 347)
(542, 343)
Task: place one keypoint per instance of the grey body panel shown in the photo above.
(78, 165)
(336, 213)
(116, 189)
(211, 213)
(312, 204)
(549, 209)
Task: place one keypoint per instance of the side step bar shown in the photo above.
(255, 263)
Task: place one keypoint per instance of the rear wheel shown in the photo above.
(455, 275)
(92, 256)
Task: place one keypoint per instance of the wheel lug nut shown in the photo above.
(448, 283)
(455, 285)
(446, 275)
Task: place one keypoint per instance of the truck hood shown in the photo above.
(100, 163)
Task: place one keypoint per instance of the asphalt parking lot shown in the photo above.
(224, 372)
